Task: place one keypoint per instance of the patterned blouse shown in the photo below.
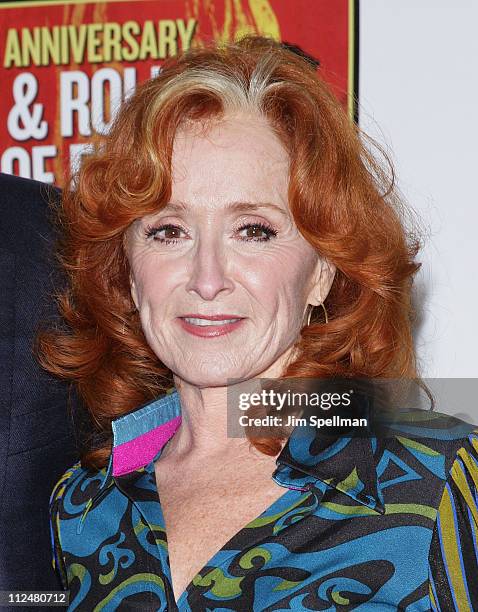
(363, 524)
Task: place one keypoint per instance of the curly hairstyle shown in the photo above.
(343, 201)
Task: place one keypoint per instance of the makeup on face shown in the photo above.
(221, 275)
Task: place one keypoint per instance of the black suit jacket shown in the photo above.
(37, 443)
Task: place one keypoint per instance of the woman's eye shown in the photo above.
(171, 233)
(254, 231)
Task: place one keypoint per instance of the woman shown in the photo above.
(232, 196)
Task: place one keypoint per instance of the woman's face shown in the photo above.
(226, 244)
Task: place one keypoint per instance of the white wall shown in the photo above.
(418, 92)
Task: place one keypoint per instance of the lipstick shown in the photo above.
(210, 326)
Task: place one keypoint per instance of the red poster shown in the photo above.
(66, 66)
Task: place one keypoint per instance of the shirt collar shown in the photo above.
(347, 464)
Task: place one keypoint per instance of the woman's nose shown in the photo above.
(209, 269)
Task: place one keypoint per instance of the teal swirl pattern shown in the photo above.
(363, 524)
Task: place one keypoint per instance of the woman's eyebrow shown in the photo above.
(232, 207)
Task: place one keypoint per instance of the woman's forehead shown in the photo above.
(234, 160)
(233, 135)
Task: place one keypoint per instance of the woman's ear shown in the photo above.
(323, 278)
(132, 283)
(134, 291)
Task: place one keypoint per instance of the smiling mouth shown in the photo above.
(210, 326)
(208, 322)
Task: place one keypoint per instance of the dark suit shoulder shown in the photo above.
(26, 214)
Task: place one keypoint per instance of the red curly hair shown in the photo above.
(342, 199)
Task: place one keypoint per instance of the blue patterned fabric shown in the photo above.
(364, 524)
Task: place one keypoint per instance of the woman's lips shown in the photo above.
(209, 331)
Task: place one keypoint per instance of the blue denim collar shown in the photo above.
(347, 464)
